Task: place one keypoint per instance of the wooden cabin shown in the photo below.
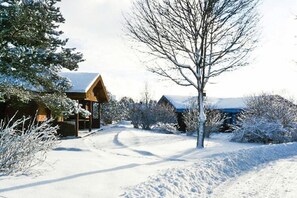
(87, 88)
(13, 108)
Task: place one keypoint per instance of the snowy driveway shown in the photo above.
(277, 179)
(106, 163)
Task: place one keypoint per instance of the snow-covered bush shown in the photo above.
(135, 115)
(273, 108)
(24, 143)
(145, 115)
(261, 130)
(142, 115)
(268, 119)
(214, 120)
(165, 118)
(191, 120)
(165, 128)
(293, 130)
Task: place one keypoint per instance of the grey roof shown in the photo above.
(81, 81)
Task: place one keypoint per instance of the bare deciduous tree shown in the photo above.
(194, 40)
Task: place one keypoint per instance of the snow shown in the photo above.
(199, 179)
(181, 103)
(4, 4)
(120, 161)
(277, 179)
(10, 80)
(228, 103)
(81, 81)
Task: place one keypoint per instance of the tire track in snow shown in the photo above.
(275, 180)
(145, 153)
(118, 147)
(140, 152)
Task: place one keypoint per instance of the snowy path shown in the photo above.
(210, 176)
(276, 180)
(107, 163)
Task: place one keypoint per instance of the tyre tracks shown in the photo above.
(277, 179)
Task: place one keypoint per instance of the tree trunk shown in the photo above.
(201, 123)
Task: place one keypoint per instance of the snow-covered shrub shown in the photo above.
(165, 117)
(268, 119)
(214, 120)
(293, 130)
(165, 114)
(145, 115)
(261, 130)
(135, 115)
(24, 144)
(165, 128)
(273, 108)
(191, 120)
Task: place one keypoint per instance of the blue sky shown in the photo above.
(95, 28)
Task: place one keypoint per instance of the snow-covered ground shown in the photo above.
(120, 161)
(276, 179)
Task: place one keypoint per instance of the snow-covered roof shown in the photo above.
(81, 81)
(181, 103)
(227, 103)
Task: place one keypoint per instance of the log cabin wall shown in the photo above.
(94, 92)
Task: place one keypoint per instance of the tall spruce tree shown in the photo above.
(32, 51)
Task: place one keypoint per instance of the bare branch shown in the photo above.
(195, 39)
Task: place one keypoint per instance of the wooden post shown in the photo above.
(76, 124)
(99, 114)
(90, 116)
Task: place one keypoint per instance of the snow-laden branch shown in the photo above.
(24, 143)
(198, 39)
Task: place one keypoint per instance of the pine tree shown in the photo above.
(32, 51)
(111, 111)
